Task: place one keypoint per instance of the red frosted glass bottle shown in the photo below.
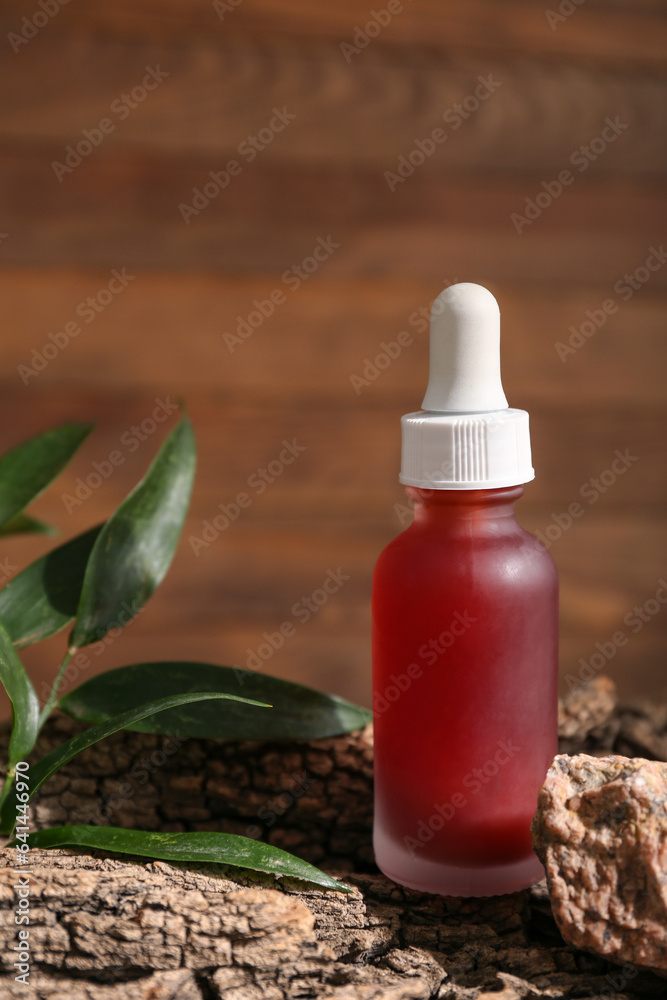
(465, 608)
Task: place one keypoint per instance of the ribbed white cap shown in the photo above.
(466, 437)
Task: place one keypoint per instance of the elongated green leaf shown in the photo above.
(25, 704)
(27, 470)
(61, 755)
(137, 543)
(25, 707)
(219, 848)
(43, 598)
(22, 524)
(298, 712)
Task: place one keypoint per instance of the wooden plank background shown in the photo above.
(323, 178)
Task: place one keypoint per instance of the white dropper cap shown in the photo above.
(464, 370)
(466, 437)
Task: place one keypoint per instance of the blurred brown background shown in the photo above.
(221, 73)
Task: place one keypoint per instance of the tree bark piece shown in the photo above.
(313, 799)
(145, 929)
(105, 928)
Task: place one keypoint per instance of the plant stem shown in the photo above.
(48, 708)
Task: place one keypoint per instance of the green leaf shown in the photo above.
(137, 543)
(27, 470)
(43, 598)
(22, 524)
(298, 712)
(219, 848)
(25, 708)
(61, 755)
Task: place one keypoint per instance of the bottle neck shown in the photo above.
(447, 507)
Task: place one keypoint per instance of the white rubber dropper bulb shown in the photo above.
(464, 369)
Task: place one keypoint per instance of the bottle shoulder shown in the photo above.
(421, 546)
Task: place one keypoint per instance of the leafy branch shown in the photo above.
(99, 581)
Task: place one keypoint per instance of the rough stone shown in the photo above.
(601, 832)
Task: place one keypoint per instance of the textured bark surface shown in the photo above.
(111, 929)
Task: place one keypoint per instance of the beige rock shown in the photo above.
(601, 833)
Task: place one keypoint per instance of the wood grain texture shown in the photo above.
(623, 33)
(322, 177)
(340, 457)
(527, 116)
(433, 230)
(168, 334)
(349, 462)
